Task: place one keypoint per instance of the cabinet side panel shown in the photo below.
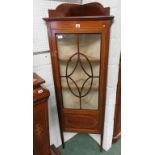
(40, 129)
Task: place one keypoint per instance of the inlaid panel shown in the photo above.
(81, 121)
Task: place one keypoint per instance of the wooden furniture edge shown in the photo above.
(118, 103)
(89, 11)
(54, 151)
(37, 80)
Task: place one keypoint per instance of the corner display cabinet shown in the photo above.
(79, 44)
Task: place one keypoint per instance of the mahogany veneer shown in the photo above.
(79, 37)
(117, 119)
(41, 142)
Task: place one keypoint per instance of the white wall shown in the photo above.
(42, 66)
(40, 10)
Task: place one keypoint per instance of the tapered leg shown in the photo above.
(62, 138)
(101, 142)
(61, 128)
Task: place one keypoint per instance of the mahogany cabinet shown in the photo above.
(79, 44)
(117, 119)
(41, 142)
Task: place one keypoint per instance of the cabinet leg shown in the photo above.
(101, 143)
(61, 129)
(62, 139)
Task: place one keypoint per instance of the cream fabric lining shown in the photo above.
(89, 45)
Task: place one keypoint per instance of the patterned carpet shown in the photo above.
(83, 144)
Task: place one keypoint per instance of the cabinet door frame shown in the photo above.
(105, 32)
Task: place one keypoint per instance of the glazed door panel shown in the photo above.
(79, 70)
(79, 65)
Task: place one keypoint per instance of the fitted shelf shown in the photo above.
(94, 86)
(93, 60)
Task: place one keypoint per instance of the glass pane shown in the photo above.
(90, 45)
(79, 58)
(90, 101)
(69, 100)
(67, 46)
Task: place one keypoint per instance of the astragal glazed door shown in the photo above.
(79, 64)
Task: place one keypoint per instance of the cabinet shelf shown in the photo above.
(83, 60)
(86, 86)
(94, 88)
